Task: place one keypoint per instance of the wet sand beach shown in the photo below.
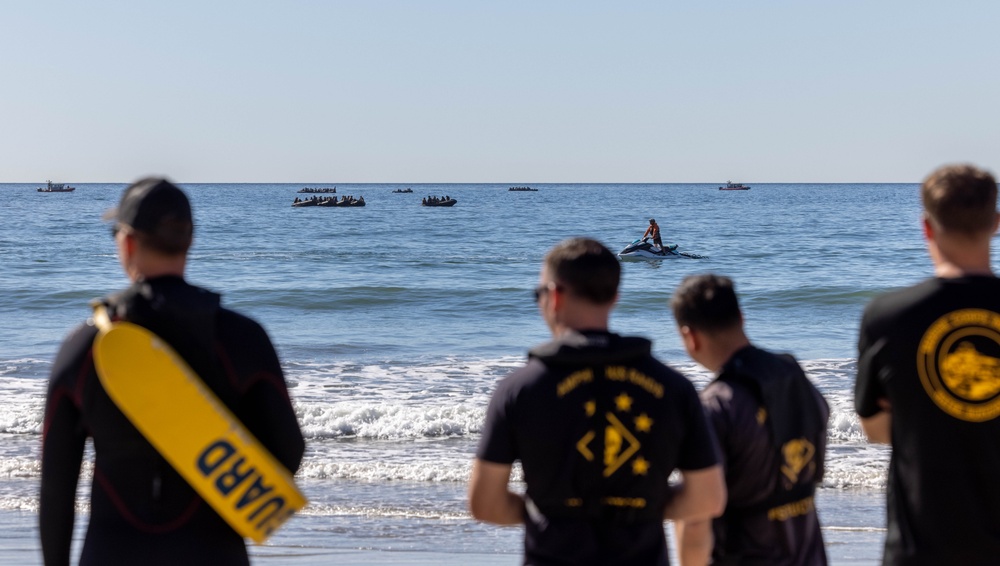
(315, 539)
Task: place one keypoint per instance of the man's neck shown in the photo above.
(955, 257)
(724, 349)
(947, 270)
(560, 330)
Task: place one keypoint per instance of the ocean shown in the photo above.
(395, 321)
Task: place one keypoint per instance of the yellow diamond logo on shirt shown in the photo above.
(619, 445)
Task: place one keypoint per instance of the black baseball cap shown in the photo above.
(159, 210)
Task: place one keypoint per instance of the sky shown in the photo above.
(505, 91)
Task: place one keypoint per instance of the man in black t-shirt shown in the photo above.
(771, 424)
(598, 425)
(929, 383)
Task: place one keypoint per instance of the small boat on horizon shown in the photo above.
(406, 190)
(522, 189)
(438, 201)
(55, 188)
(346, 200)
(731, 186)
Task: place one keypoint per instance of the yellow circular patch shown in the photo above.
(958, 364)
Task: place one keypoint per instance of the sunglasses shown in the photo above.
(543, 289)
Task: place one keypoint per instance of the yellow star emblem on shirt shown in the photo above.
(643, 423)
(640, 466)
(623, 402)
(761, 415)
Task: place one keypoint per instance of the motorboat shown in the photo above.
(642, 250)
(318, 190)
(330, 202)
(403, 191)
(351, 201)
(55, 188)
(523, 190)
(731, 186)
(440, 202)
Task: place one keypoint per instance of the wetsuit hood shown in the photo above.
(588, 347)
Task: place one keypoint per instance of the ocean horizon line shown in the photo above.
(482, 183)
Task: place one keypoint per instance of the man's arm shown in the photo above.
(265, 406)
(701, 495)
(870, 393)
(489, 498)
(878, 427)
(694, 542)
(64, 437)
(62, 453)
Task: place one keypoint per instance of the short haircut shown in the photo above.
(587, 268)
(960, 198)
(707, 303)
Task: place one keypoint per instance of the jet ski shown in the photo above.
(642, 249)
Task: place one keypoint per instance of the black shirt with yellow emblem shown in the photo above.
(771, 425)
(598, 425)
(933, 350)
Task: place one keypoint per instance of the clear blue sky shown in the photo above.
(504, 91)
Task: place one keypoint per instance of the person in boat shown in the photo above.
(599, 425)
(653, 232)
(297, 199)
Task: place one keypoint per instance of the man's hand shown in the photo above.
(694, 542)
(489, 498)
(700, 496)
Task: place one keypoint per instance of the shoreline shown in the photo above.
(847, 516)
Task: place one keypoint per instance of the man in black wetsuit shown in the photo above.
(141, 510)
(771, 424)
(598, 425)
(929, 383)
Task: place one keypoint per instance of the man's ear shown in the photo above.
(928, 228)
(691, 338)
(556, 297)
